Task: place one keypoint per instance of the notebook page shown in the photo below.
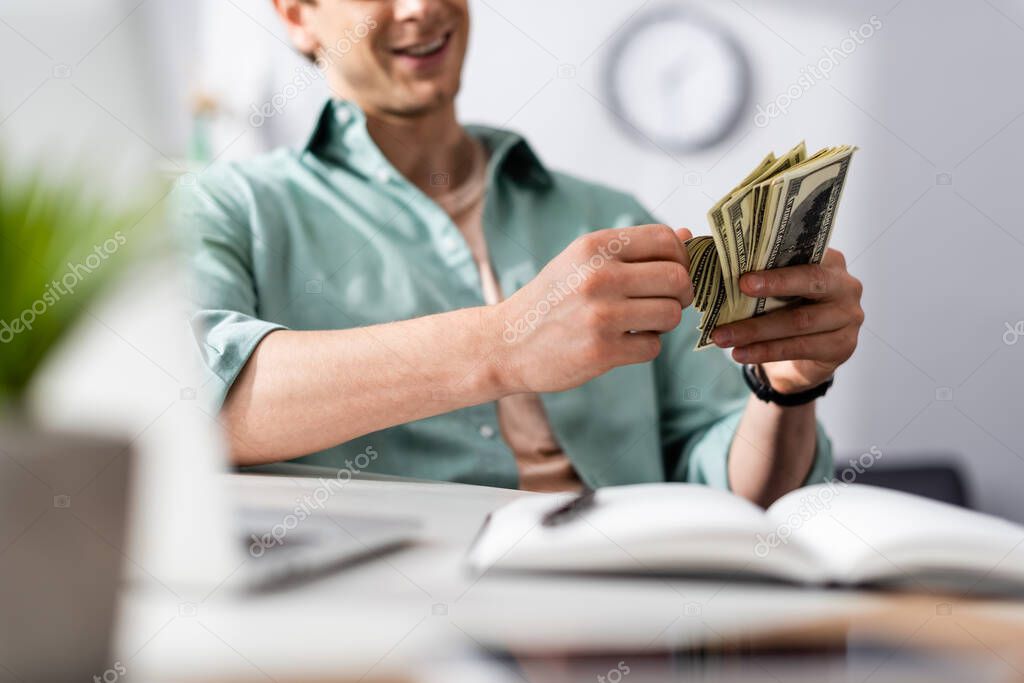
(638, 528)
(865, 533)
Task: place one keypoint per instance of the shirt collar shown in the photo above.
(340, 135)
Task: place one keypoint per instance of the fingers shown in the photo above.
(656, 279)
(824, 331)
(647, 315)
(813, 281)
(641, 347)
(827, 280)
(652, 243)
(834, 259)
(830, 347)
(786, 322)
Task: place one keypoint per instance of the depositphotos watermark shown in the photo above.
(111, 675)
(305, 505)
(1014, 333)
(813, 74)
(615, 674)
(308, 74)
(561, 290)
(816, 502)
(58, 289)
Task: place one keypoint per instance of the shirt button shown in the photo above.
(487, 431)
(450, 243)
(344, 116)
(383, 175)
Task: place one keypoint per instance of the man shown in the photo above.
(433, 295)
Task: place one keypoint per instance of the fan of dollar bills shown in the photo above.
(780, 215)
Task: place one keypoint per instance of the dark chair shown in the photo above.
(935, 477)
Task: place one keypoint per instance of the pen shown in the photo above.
(569, 511)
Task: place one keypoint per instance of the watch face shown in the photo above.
(677, 79)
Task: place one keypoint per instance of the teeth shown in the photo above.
(420, 50)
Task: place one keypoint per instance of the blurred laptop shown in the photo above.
(286, 546)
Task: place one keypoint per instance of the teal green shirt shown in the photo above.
(331, 236)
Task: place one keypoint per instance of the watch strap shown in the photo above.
(764, 391)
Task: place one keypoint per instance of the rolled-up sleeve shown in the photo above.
(211, 220)
(705, 456)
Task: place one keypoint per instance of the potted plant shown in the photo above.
(59, 249)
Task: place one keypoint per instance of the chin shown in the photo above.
(421, 100)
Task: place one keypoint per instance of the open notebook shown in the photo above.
(828, 533)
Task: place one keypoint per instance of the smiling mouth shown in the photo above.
(424, 49)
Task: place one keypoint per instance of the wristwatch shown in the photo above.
(762, 388)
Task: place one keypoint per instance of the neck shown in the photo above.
(424, 146)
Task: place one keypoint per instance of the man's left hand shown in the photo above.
(800, 346)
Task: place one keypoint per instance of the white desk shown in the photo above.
(418, 604)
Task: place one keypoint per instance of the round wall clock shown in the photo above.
(678, 79)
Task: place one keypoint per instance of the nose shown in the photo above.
(406, 10)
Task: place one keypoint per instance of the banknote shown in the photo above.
(782, 214)
(808, 212)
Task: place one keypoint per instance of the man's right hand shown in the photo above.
(601, 303)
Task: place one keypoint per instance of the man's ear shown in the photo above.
(297, 15)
